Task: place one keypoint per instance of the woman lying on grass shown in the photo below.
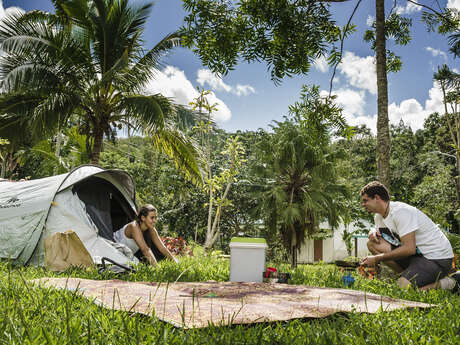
(142, 238)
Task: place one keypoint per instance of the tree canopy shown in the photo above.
(286, 35)
(86, 61)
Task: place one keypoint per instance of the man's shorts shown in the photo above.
(419, 270)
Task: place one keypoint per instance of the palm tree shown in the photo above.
(446, 19)
(454, 41)
(303, 188)
(449, 82)
(383, 127)
(73, 152)
(86, 61)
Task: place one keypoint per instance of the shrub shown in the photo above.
(177, 246)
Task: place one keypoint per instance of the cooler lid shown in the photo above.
(245, 242)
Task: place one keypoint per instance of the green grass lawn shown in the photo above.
(30, 315)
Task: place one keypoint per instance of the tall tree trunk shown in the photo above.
(383, 131)
(457, 152)
(294, 250)
(58, 149)
(129, 141)
(97, 147)
(215, 230)
(3, 170)
(457, 179)
(58, 145)
(209, 234)
(207, 243)
(454, 131)
(457, 163)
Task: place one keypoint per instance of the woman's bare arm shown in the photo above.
(135, 232)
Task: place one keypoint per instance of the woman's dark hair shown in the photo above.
(144, 211)
(376, 188)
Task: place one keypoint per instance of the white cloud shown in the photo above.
(223, 113)
(436, 52)
(321, 64)
(370, 20)
(205, 76)
(173, 83)
(409, 9)
(455, 4)
(413, 113)
(409, 110)
(434, 102)
(243, 90)
(353, 103)
(9, 10)
(359, 72)
(369, 121)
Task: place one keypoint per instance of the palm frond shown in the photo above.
(150, 112)
(114, 25)
(183, 151)
(28, 76)
(145, 68)
(111, 75)
(53, 112)
(13, 128)
(86, 59)
(44, 150)
(291, 214)
(454, 42)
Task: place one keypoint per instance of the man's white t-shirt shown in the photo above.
(429, 239)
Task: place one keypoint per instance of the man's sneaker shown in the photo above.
(456, 276)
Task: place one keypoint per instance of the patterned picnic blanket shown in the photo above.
(199, 304)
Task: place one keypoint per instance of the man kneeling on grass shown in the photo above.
(408, 242)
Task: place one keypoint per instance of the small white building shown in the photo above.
(332, 248)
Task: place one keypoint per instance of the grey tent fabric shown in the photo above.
(33, 210)
(99, 196)
(24, 207)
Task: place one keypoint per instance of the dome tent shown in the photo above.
(89, 200)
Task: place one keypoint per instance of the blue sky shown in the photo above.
(247, 98)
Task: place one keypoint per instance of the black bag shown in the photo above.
(115, 267)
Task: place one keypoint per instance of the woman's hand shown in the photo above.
(151, 258)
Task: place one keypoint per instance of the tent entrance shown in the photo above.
(105, 205)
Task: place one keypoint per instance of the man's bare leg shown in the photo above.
(383, 247)
(435, 285)
(445, 283)
(403, 283)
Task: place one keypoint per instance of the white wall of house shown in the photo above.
(334, 247)
(306, 252)
(328, 249)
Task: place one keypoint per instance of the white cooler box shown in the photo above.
(247, 259)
